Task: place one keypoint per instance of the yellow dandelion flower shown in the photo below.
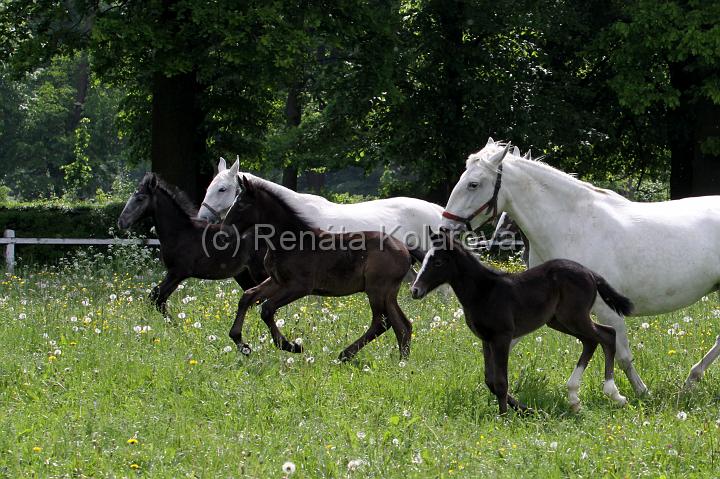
(671, 352)
(192, 362)
(37, 449)
(132, 441)
(156, 340)
(134, 466)
(52, 358)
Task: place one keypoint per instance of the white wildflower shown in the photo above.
(288, 468)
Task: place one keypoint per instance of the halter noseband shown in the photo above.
(491, 205)
(216, 214)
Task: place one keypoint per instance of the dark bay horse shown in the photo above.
(501, 306)
(190, 248)
(302, 260)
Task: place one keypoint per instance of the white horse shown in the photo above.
(406, 219)
(650, 252)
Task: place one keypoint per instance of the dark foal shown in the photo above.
(190, 248)
(500, 307)
(302, 260)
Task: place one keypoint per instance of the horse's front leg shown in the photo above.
(275, 301)
(500, 347)
(249, 297)
(160, 293)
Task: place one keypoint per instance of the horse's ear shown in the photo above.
(528, 155)
(222, 166)
(516, 151)
(235, 167)
(246, 186)
(490, 141)
(153, 182)
(498, 157)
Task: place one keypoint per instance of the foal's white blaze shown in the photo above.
(426, 260)
(573, 386)
(650, 252)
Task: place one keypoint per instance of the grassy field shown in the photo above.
(94, 383)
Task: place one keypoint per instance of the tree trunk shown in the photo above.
(694, 172)
(450, 18)
(679, 132)
(315, 181)
(82, 82)
(293, 116)
(178, 145)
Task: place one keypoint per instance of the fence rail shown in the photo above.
(10, 240)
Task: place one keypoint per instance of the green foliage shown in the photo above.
(56, 219)
(47, 144)
(79, 173)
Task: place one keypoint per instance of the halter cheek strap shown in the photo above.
(490, 206)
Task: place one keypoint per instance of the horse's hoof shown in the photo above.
(244, 349)
(295, 348)
(575, 407)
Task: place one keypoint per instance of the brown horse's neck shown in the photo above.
(282, 216)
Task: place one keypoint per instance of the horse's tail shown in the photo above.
(617, 302)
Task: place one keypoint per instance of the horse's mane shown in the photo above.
(465, 252)
(480, 159)
(179, 197)
(280, 197)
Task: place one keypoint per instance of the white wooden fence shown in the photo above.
(9, 240)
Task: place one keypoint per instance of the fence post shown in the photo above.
(10, 252)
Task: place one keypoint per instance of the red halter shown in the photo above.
(491, 205)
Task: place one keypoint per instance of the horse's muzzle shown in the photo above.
(418, 293)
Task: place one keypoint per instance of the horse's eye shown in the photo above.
(473, 185)
(439, 262)
(222, 189)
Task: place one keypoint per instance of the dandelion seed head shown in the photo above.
(288, 467)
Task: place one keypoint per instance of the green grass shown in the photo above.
(198, 411)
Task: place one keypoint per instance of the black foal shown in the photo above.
(190, 248)
(500, 307)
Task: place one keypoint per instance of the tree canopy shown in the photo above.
(615, 91)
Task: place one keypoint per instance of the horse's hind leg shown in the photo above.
(697, 371)
(400, 324)
(607, 340)
(378, 326)
(623, 355)
(589, 346)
